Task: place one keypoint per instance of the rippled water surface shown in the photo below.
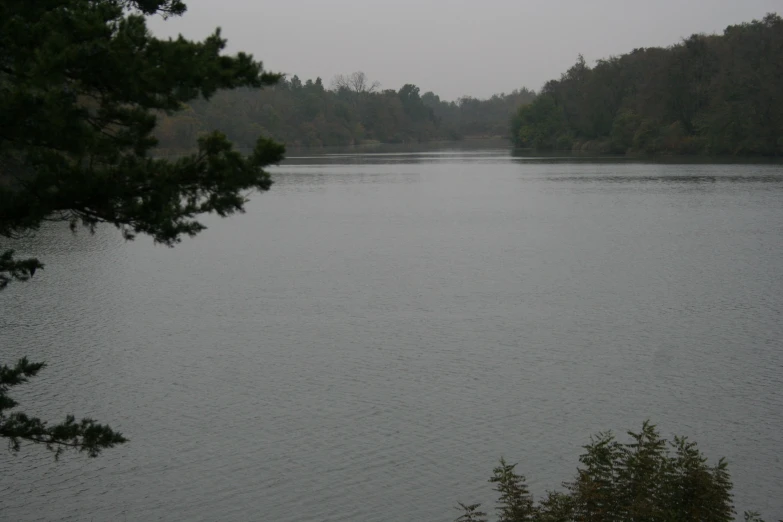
(377, 330)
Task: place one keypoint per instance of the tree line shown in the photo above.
(708, 94)
(351, 111)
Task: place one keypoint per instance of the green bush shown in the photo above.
(648, 479)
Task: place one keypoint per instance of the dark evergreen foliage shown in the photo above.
(82, 86)
(84, 436)
(709, 94)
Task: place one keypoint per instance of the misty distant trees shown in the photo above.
(354, 110)
(709, 94)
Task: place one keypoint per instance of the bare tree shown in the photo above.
(356, 82)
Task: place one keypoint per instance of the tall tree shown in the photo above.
(82, 84)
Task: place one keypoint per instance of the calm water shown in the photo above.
(377, 330)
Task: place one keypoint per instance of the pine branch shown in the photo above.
(19, 270)
(83, 436)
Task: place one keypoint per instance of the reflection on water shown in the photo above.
(311, 177)
(669, 180)
(377, 330)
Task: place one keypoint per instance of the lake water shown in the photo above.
(375, 332)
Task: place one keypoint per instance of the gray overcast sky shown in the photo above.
(454, 47)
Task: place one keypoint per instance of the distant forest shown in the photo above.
(709, 94)
(353, 110)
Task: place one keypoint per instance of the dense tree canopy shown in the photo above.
(82, 86)
(711, 94)
(350, 111)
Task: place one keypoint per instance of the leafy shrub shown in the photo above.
(648, 479)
